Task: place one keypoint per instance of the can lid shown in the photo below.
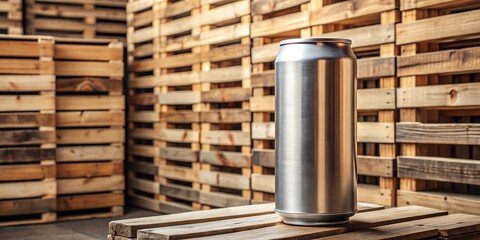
(315, 40)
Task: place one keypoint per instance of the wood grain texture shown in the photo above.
(459, 133)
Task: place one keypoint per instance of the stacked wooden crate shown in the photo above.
(180, 103)
(225, 117)
(371, 27)
(271, 23)
(439, 105)
(90, 133)
(27, 131)
(76, 18)
(143, 45)
(11, 17)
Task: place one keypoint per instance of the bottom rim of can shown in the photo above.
(315, 219)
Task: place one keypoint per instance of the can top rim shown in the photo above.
(315, 40)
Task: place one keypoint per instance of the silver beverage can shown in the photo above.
(315, 131)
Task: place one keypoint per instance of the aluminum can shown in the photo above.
(315, 129)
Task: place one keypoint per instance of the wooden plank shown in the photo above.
(90, 102)
(439, 169)
(19, 83)
(226, 180)
(25, 48)
(90, 201)
(27, 189)
(179, 135)
(264, 183)
(91, 69)
(218, 199)
(178, 173)
(225, 74)
(261, 130)
(90, 185)
(26, 206)
(143, 167)
(225, 137)
(26, 172)
(26, 154)
(89, 84)
(180, 192)
(26, 137)
(226, 95)
(179, 154)
(25, 120)
(129, 227)
(378, 98)
(376, 132)
(432, 133)
(260, 7)
(263, 79)
(230, 159)
(180, 98)
(433, 4)
(144, 185)
(346, 10)
(76, 170)
(375, 194)
(280, 24)
(226, 116)
(262, 104)
(376, 166)
(267, 227)
(264, 157)
(91, 135)
(375, 67)
(90, 118)
(453, 61)
(143, 150)
(180, 116)
(173, 207)
(88, 153)
(445, 95)
(453, 203)
(89, 52)
(425, 29)
(366, 36)
(18, 103)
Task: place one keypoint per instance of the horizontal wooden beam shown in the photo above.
(432, 133)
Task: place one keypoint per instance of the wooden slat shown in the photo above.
(434, 4)
(226, 116)
(179, 135)
(25, 120)
(179, 154)
(445, 95)
(26, 206)
(225, 137)
(378, 98)
(90, 185)
(179, 98)
(90, 201)
(426, 29)
(89, 52)
(432, 133)
(27, 189)
(91, 69)
(439, 169)
(226, 180)
(229, 159)
(143, 167)
(25, 154)
(376, 166)
(26, 172)
(90, 118)
(366, 36)
(264, 157)
(454, 61)
(88, 153)
(375, 194)
(92, 135)
(264, 183)
(90, 102)
(19, 83)
(23, 48)
(178, 173)
(76, 170)
(265, 6)
(26, 137)
(88, 84)
(226, 95)
(453, 203)
(180, 192)
(218, 199)
(27, 103)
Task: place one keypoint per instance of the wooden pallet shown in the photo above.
(75, 18)
(267, 30)
(27, 131)
(128, 228)
(90, 128)
(179, 99)
(439, 105)
(376, 86)
(11, 17)
(225, 117)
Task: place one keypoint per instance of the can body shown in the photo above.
(315, 131)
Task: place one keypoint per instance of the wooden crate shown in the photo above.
(371, 27)
(27, 131)
(439, 105)
(11, 17)
(225, 118)
(269, 27)
(76, 18)
(90, 128)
